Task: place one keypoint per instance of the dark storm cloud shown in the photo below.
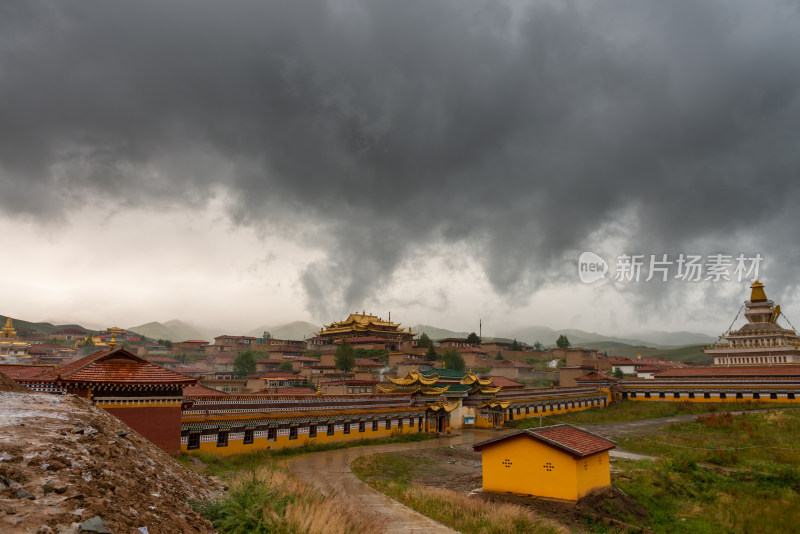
(517, 128)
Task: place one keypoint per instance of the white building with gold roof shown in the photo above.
(762, 341)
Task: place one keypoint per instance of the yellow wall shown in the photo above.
(730, 396)
(486, 421)
(236, 444)
(520, 465)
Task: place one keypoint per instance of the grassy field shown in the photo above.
(719, 473)
(392, 474)
(265, 498)
(635, 411)
(686, 353)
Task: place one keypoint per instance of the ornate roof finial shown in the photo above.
(758, 292)
(319, 389)
(113, 344)
(444, 364)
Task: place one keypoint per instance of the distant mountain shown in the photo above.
(687, 353)
(659, 337)
(295, 330)
(437, 333)
(173, 330)
(42, 327)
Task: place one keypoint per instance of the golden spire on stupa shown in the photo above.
(758, 292)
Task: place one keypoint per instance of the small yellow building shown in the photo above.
(559, 462)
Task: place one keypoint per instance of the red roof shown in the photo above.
(195, 341)
(731, 372)
(506, 382)
(577, 442)
(351, 383)
(115, 366)
(18, 372)
(597, 375)
(198, 390)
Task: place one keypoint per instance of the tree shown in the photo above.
(345, 358)
(516, 345)
(538, 346)
(424, 341)
(618, 373)
(453, 360)
(431, 355)
(473, 339)
(285, 366)
(499, 356)
(88, 342)
(165, 342)
(562, 342)
(266, 335)
(245, 363)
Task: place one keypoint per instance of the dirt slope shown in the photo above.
(65, 464)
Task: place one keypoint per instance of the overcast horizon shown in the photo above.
(249, 163)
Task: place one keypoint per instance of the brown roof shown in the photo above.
(731, 372)
(198, 390)
(115, 366)
(18, 372)
(571, 439)
(505, 382)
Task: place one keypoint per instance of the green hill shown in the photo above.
(686, 353)
(42, 328)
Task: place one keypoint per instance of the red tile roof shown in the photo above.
(571, 439)
(117, 366)
(731, 372)
(28, 372)
(506, 382)
(198, 390)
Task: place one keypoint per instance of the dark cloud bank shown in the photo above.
(518, 128)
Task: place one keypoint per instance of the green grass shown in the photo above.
(216, 464)
(719, 473)
(638, 410)
(393, 474)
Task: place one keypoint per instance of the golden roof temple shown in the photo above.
(762, 341)
(365, 325)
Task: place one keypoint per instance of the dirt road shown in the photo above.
(330, 472)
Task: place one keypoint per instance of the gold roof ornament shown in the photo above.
(494, 404)
(113, 343)
(8, 330)
(319, 389)
(758, 292)
(442, 406)
(472, 378)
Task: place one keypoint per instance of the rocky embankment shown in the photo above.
(69, 467)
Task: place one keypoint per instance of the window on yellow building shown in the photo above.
(248, 436)
(347, 428)
(362, 426)
(194, 440)
(312, 431)
(292, 432)
(272, 434)
(388, 424)
(330, 429)
(374, 426)
(222, 438)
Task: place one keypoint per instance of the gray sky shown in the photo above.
(243, 163)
